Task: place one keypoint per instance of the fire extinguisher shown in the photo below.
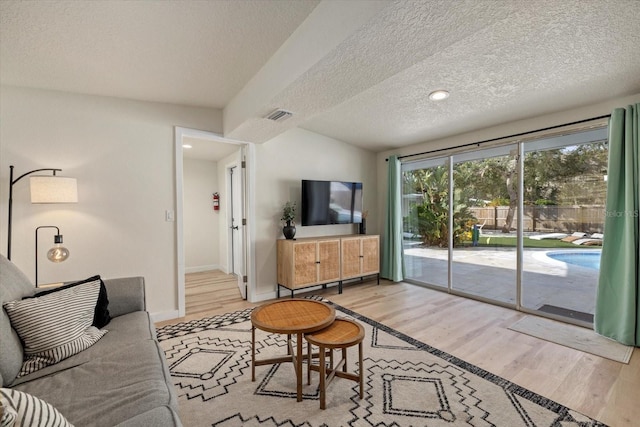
(216, 201)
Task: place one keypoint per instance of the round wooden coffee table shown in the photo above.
(293, 316)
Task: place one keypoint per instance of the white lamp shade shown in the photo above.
(53, 189)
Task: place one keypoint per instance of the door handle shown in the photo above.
(235, 228)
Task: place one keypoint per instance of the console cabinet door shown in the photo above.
(351, 260)
(370, 255)
(329, 261)
(307, 262)
(305, 267)
(360, 256)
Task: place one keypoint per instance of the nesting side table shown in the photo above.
(293, 316)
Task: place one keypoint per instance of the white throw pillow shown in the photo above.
(23, 410)
(55, 326)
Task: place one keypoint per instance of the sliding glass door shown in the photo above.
(425, 210)
(485, 218)
(519, 225)
(564, 205)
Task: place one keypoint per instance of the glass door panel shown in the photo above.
(425, 211)
(564, 207)
(485, 220)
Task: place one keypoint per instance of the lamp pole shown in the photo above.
(11, 182)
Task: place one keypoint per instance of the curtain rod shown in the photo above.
(470, 144)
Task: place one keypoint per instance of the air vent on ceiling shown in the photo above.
(278, 115)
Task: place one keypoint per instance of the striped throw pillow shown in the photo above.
(101, 315)
(22, 409)
(55, 326)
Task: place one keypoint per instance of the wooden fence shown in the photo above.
(563, 219)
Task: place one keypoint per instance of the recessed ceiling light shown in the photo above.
(438, 95)
(187, 146)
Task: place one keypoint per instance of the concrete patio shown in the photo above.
(491, 273)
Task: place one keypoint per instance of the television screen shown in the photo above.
(331, 202)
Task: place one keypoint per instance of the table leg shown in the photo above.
(253, 353)
(299, 366)
(344, 356)
(323, 379)
(360, 369)
(309, 357)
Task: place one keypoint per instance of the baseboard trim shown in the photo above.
(165, 315)
(199, 268)
(264, 297)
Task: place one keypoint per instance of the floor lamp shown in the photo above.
(58, 253)
(44, 189)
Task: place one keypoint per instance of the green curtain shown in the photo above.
(618, 299)
(392, 252)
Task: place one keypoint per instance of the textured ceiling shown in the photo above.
(500, 64)
(367, 83)
(185, 52)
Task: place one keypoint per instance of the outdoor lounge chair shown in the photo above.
(575, 236)
(549, 236)
(594, 240)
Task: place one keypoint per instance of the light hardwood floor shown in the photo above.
(208, 290)
(477, 333)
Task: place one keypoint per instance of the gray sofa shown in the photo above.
(122, 380)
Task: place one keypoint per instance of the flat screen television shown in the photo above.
(331, 202)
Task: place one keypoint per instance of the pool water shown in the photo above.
(588, 258)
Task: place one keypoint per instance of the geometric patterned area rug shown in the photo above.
(407, 383)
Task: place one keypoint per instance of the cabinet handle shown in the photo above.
(317, 262)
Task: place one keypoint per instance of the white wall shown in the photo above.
(282, 163)
(122, 153)
(201, 222)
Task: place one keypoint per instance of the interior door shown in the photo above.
(236, 225)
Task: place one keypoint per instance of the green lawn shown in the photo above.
(500, 242)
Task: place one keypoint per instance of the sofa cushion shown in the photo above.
(22, 409)
(14, 285)
(101, 315)
(126, 295)
(55, 326)
(110, 389)
(162, 416)
(123, 330)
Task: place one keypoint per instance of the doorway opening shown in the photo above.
(213, 217)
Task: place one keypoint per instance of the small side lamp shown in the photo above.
(57, 253)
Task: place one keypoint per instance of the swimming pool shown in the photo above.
(586, 258)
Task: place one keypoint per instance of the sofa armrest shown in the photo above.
(125, 294)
